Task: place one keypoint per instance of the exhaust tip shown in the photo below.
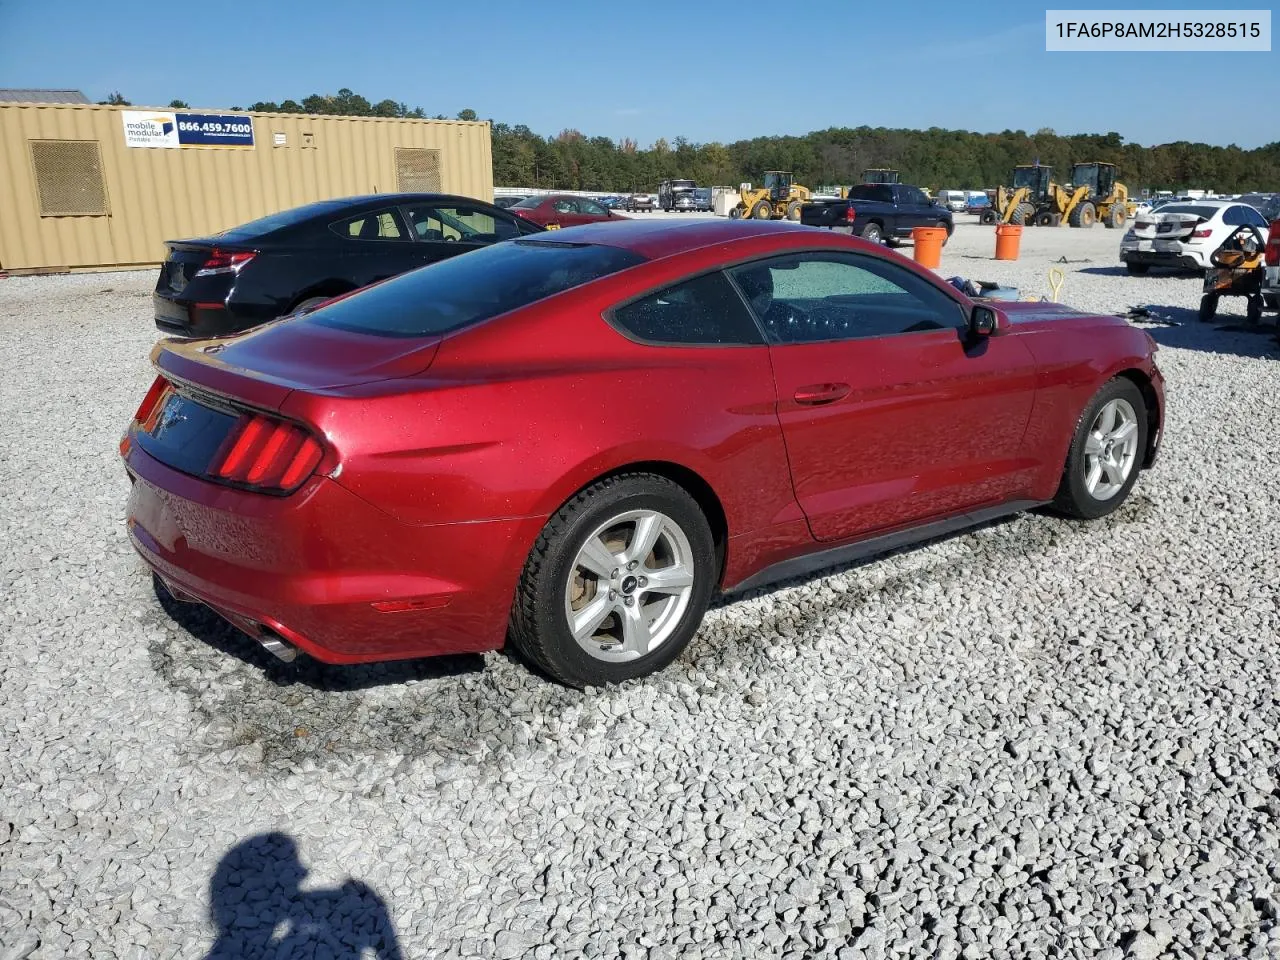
(277, 646)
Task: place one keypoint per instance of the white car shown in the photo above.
(1184, 235)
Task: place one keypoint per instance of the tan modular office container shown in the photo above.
(73, 195)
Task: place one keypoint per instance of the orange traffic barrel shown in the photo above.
(929, 241)
(1008, 238)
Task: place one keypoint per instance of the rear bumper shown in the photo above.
(1160, 258)
(192, 318)
(330, 573)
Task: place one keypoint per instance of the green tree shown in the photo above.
(467, 114)
(179, 105)
(115, 99)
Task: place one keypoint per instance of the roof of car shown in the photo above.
(405, 198)
(662, 238)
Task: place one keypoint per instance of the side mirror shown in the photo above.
(983, 322)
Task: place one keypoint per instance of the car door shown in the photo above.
(890, 415)
(446, 229)
(915, 209)
(565, 213)
(590, 211)
(375, 245)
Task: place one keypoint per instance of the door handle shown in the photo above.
(817, 393)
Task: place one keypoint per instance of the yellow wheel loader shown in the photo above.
(779, 198)
(1096, 195)
(1029, 194)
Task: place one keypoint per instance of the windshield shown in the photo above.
(1026, 176)
(1204, 213)
(529, 203)
(285, 218)
(460, 291)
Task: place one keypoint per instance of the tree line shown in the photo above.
(934, 158)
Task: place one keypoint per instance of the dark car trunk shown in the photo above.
(185, 258)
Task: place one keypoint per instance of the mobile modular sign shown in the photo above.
(159, 129)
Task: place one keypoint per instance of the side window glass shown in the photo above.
(704, 310)
(1232, 216)
(565, 205)
(379, 225)
(593, 208)
(810, 298)
(1252, 216)
(462, 223)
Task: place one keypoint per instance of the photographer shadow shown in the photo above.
(260, 909)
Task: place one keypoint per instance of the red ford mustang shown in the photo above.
(573, 440)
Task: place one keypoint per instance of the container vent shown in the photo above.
(417, 170)
(69, 178)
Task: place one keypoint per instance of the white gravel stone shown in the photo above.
(1031, 740)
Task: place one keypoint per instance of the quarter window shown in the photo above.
(377, 225)
(810, 298)
(704, 310)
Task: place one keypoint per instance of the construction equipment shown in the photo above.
(1097, 195)
(778, 198)
(1019, 203)
(880, 175)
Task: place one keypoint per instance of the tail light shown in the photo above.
(849, 214)
(151, 406)
(1273, 244)
(148, 412)
(267, 454)
(225, 261)
(1201, 234)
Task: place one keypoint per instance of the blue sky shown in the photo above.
(704, 70)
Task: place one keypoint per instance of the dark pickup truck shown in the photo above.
(879, 212)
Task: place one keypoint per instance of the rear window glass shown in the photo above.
(880, 194)
(464, 290)
(1195, 211)
(285, 218)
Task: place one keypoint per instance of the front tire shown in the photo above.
(1106, 452)
(763, 210)
(987, 217)
(617, 582)
(793, 210)
(1208, 307)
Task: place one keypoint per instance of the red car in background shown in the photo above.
(573, 440)
(562, 210)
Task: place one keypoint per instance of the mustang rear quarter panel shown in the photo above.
(514, 417)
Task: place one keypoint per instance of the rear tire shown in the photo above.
(597, 531)
(871, 233)
(1208, 307)
(987, 217)
(947, 226)
(1137, 269)
(1023, 215)
(1106, 452)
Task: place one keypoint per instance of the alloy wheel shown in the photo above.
(629, 586)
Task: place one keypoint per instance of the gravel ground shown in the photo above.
(1040, 739)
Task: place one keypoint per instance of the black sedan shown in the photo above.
(298, 258)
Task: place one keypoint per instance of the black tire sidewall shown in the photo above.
(1073, 497)
(564, 657)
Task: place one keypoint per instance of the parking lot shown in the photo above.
(1041, 738)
